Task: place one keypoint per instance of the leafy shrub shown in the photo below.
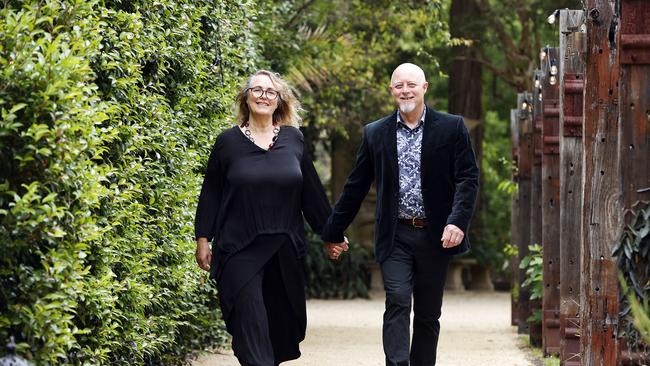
(533, 263)
(633, 253)
(108, 112)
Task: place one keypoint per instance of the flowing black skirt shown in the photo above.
(267, 272)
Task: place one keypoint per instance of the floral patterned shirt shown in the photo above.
(409, 148)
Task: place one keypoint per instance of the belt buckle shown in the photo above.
(414, 224)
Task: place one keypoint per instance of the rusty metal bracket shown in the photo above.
(635, 29)
(574, 85)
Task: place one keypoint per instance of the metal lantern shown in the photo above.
(11, 359)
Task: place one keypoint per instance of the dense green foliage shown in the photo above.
(109, 110)
(633, 253)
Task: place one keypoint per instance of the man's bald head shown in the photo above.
(412, 71)
(408, 86)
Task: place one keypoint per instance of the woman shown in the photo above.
(259, 183)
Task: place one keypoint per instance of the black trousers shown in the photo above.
(414, 273)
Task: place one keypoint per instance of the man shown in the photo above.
(427, 180)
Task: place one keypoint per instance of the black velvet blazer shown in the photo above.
(449, 181)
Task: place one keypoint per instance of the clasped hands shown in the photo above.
(334, 250)
(452, 236)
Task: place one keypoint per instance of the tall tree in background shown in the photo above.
(465, 84)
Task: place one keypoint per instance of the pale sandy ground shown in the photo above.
(475, 330)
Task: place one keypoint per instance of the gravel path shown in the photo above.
(475, 330)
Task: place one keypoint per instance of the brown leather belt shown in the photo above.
(416, 222)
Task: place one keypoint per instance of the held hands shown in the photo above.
(452, 236)
(203, 254)
(334, 250)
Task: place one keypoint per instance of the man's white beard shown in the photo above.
(407, 107)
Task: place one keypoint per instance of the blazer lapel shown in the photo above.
(429, 141)
(390, 141)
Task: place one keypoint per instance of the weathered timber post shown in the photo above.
(536, 188)
(515, 237)
(634, 114)
(601, 197)
(550, 201)
(571, 90)
(536, 172)
(525, 146)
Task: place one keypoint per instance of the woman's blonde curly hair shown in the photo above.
(289, 107)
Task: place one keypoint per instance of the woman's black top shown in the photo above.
(249, 191)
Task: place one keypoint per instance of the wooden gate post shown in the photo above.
(550, 201)
(515, 217)
(524, 191)
(571, 90)
(634, 88)
(536, 173)
(536, 191)
(601, 201)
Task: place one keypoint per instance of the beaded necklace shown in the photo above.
(249, 135)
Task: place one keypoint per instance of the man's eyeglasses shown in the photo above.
(257, 92)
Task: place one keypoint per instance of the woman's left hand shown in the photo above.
(203, 254)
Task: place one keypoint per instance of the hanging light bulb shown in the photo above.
(524, 104)
(552, 80)
(553, 67)
(553, 17)
(540, 96)
(537, 83)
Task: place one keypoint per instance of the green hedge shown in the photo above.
(109, 110)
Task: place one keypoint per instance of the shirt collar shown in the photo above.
(420, 123)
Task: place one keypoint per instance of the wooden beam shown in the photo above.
(515, 217)
(572, 66)
(524, 192)
(551, 201)
(601, 202)
(536, 172)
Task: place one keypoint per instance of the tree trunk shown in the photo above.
(466, 86)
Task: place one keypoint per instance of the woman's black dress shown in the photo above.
(251, 206)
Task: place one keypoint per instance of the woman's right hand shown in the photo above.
(203, 254)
